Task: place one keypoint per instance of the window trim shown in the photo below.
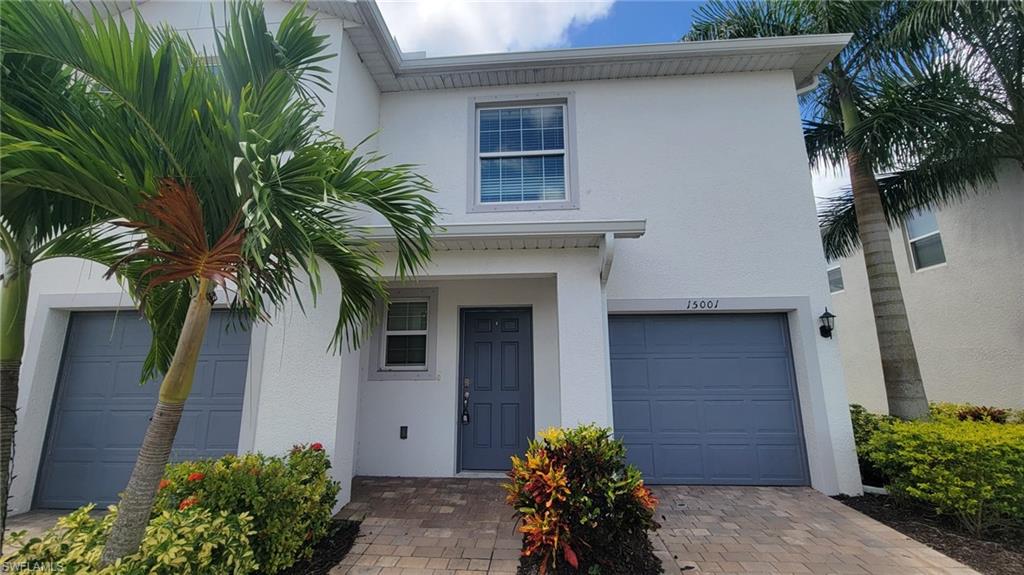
(378, 371)
(827, 271)
(385, 332)
(476, 104)
(912, 239)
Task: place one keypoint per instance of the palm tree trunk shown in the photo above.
(137, 499)
(904, 389)
(13, 305)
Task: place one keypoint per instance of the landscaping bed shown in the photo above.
(328, 552)
(996, 552)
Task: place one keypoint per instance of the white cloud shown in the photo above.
(448, 27)
(828, 183)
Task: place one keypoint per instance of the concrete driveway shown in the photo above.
(462, 527)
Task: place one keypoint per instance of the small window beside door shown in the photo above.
(924, 240)
(404, 344)
(405, 335)
(835, 279)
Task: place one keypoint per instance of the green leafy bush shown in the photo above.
(582, 508)
(865, 425)
(967, 411)
(218, 516)
(289, 499)
(194, 541)
(971, 470)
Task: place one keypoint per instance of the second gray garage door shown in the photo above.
(707, 399)
(101, 412)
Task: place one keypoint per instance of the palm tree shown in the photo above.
(835, 110)
(952, 120)
(35, 226)
(223, 175)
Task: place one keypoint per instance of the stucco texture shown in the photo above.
(966, 315)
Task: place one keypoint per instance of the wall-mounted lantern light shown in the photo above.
(828, 321)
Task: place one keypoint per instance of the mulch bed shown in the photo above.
(1000, 552)
(329, 551)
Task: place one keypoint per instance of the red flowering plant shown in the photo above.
(289, 498)
(582, 509)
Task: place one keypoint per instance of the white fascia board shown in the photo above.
(617, 228)
(824, 47)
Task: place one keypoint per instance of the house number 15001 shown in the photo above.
(698, 304)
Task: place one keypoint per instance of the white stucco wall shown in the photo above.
(966, 316)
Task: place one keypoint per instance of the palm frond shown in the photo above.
(903, 192)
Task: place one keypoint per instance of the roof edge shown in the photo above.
(627, 229)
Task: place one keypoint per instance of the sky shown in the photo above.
(454, 27)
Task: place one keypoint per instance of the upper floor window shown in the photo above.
(522, 155)
(835, 279)
(924, 239)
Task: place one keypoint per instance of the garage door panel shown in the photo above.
(671, 373)
(79, 428)
(729, 463)
(767, 373)
(126, 381)
(641, 455)
(679, 462)
(96, 376)
(777, 463)
(673, 416)
(717, 404)
(101, 412)
(725, 416)
(628, 336)
(632, 372)
(774, 416)
(635, 415)
(718, 374)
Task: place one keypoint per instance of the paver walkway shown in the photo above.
(462, 527)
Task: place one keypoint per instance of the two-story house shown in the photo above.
(961, 269)
(630, 239)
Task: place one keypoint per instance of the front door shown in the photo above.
(495, 387)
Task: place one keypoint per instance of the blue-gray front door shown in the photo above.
(495, 387)
(707, 398)
(101, 412)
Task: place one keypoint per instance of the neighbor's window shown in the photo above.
(521, 154)
(924, 239)
(405, 335)
(835, 279)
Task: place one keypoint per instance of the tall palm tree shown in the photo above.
(950, 121)
(223, 175)
(834, 111)
(35, 226)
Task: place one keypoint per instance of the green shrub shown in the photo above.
(967, 411)
(289, 499)
(214, 516)
(865, 425)
(194, 541)
(973, 471)
(582, 508)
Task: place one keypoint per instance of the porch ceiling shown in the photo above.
(521, 235)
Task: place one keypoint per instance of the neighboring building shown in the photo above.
(962, 273)
(630, 239)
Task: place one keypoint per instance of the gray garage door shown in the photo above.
(101, 412)
(707, 399)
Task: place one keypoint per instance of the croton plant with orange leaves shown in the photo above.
(579, 503)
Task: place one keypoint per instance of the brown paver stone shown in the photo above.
(465, 525)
